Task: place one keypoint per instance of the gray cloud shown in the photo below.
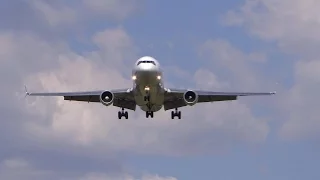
(25, 19)
(234, 66)
(288, 23)
(118, 9)
(53, 20)
(59, 13)
(19, 168)
(26, 50)
(294, 26)
(54, 138)
(57, 123)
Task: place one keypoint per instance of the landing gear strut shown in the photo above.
(149, 113)
(176, 113)
(147, 98)
(123, 113)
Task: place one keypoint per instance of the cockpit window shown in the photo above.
(152, 62)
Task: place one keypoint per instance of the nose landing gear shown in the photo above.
(147, 98)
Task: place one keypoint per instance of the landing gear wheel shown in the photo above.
(149, 113)
(119, 115)
(176, 113)
(123, 113)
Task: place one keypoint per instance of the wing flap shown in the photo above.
(124, 103)
(174, 103)
(212, 93)
(212, 98)
(86, 98)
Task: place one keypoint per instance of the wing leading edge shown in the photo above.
(174, 97)
(122, 97)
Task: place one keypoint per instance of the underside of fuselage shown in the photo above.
(148, 87)
(149, 94)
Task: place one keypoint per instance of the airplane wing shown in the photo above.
(122, 97)
(174, 98)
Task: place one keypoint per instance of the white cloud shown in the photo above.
(302, 102)
(213, 83)
(6, 46)
(98, 176)
(157, 177)
(16, 49)
(291, 23)
(115, 8)
(235, 70)
(60, 13)
(294, 26)
(234, 66)
(18, 168)
(15, 163)
(117, 47)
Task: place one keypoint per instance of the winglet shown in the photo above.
(27, 93)
(275, 92)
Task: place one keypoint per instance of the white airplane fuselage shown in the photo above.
(147, 84)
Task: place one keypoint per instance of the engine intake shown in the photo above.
(190, 97)
(106, 98)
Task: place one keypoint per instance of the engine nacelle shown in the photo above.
(190, 97)
(106, 98)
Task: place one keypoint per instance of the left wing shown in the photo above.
(174, 98)
(122, 97)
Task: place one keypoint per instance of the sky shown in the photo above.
(235, 45)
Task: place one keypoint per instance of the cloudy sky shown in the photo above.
(235, 45)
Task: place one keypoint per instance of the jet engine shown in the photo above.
(190, 97)
(106, 98)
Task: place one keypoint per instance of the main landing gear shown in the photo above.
(176, 113)
(123, 113)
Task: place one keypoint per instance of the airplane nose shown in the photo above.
(147, 68)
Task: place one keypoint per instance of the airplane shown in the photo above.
(148, 92)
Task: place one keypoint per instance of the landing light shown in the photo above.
(134, 77)
(159, 77)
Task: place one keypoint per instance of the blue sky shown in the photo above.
(236, 45)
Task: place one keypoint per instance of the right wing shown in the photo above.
(174, 97)
(122, 97)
